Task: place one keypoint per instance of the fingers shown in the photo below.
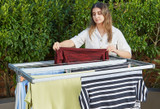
(111, 48)
(56, 46)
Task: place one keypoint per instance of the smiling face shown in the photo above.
(97, 16)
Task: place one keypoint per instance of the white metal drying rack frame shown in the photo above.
(43, 65)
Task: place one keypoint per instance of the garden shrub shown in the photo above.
(24, 32)
(139, 20)
(28, 28)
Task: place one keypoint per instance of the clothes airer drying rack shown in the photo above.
(25, 69)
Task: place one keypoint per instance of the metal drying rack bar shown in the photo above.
(24, 69)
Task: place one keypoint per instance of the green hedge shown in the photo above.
(139, 21)
(28, 28)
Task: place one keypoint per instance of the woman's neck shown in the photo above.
(101, 29)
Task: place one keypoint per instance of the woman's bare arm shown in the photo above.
(66, 43)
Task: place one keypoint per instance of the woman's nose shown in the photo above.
(96, 15)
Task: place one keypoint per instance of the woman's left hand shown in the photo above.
(112, 48)
(121, 53)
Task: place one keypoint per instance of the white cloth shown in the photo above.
(96, 41)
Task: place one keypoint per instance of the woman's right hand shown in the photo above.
(56, 46)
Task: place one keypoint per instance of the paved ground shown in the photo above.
(7, 103)
(153, 101)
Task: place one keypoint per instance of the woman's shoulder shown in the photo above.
(84, 32)
(117, 33)
(87, 29)
(115, 30)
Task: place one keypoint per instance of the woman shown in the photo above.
(100, 34)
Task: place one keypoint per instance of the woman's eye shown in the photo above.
(94, 14)
(99, 13)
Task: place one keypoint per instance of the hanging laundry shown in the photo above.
(20, 94)
(68, 55)
(21, 88)
(119, 90)
(58, 94)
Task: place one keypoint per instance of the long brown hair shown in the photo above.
(107, 20)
